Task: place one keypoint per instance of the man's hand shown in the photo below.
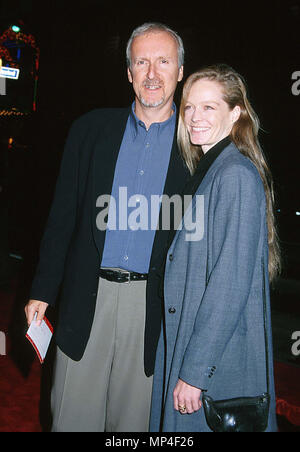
(186, 398)
(34, 306)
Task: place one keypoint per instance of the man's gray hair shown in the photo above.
(154, 27)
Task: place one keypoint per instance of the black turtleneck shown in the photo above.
(203, 166)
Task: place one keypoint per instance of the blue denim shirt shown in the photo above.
(140, 173)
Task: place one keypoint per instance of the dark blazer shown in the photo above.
(72, 246)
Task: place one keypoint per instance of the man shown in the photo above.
(109, 326)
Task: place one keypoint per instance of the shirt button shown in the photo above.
(141, 172)
(172, 310)
(171, 257)
(125, 258)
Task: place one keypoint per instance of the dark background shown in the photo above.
(82, 66)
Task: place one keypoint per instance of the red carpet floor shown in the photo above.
(287, 381)
(20, 390)
(19, 394)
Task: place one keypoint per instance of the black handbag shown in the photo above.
(241, 414)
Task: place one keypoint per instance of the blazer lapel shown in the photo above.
(176, 179)
(198, 182)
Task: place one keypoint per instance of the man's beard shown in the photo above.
(151, 104)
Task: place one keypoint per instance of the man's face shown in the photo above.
(154, 70)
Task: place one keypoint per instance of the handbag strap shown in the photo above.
(265, 327)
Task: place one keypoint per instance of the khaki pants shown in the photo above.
(107, 390)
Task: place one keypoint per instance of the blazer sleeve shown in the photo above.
(60, 224)
(236, 229)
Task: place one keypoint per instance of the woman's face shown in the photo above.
(207, 116)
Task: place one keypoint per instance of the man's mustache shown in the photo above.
(152, 83)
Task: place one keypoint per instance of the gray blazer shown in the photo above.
(213, 331)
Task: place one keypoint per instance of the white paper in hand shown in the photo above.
(40, 337)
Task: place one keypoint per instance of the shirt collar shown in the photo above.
(136, 123)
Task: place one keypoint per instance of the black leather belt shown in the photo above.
(122, 276)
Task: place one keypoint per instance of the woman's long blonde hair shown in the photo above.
(244, 135)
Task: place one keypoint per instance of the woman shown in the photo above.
(213, 336)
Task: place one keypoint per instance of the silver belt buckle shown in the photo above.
(128, 274)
